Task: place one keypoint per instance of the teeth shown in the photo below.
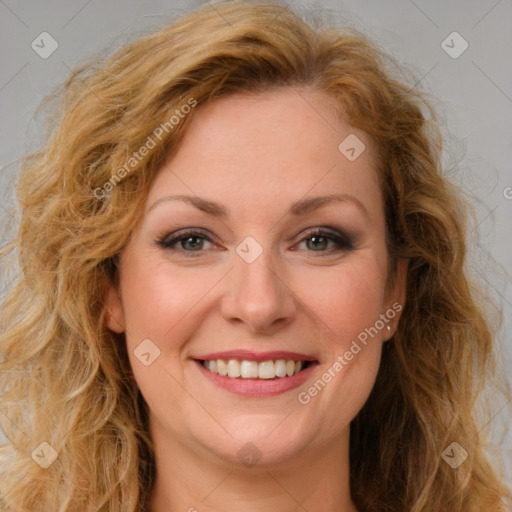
(253, 370)
(233, 368)
(249, 370)
(267, 370)
(222, 367)
(280, 368)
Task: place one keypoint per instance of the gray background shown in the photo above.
(473, 91)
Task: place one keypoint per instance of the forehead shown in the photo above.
(267, 147)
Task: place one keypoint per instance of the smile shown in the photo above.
(248, 369)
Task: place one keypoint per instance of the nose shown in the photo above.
(258, 296)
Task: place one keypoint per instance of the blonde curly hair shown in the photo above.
(65, 377)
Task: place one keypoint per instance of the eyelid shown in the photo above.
(325, 230)
(191, 231)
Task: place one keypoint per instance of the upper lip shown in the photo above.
(256, 356)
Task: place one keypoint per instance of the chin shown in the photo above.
(262, 440)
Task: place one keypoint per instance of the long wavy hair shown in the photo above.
(65, 377)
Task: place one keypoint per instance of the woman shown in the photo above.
(243, 285)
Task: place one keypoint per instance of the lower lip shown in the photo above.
(258, 388)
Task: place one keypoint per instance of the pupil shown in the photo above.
(314, 240)
(193, 245)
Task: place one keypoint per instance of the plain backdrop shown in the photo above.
(473, 87)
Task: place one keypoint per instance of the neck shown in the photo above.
(192, 481)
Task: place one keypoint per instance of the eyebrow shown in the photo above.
(301, 207)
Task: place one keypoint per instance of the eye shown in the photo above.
(189, 241)
(320, 239)
(196, 240)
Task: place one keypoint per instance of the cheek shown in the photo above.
(161, 300)
(347, 298)
(348, 301)
(162, 303)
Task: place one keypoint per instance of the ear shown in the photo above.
(395, 299)
(114, 308)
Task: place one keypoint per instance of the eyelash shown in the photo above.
(343, 242)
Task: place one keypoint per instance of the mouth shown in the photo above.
(250, 374)
(250, 369)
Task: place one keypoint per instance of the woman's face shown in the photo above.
(274, 254)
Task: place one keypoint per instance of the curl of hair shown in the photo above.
(65, 377)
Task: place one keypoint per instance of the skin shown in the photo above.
(256, 155)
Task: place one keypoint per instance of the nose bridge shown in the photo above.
(257, 294)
